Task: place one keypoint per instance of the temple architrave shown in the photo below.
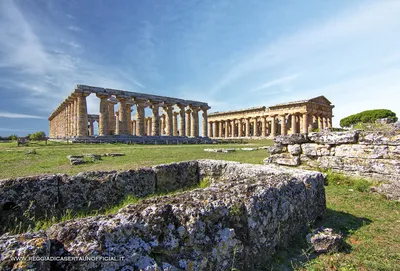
(281, 119)
(71, 120)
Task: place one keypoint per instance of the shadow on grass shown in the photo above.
(299, 252)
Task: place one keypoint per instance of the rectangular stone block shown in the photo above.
(174, 176)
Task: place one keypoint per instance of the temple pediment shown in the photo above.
(320, 100)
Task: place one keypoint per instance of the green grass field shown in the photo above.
(52, 158)
(370, 223)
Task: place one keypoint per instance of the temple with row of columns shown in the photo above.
(71, 119)
(281, 119)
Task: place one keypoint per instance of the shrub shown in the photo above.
(38, 136)
(368, 116)
(13, 137)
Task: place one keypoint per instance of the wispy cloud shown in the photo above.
(18, 116)
(49, 71)
(276, 82)
(74, 28)
(343, 28)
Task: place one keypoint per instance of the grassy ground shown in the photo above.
(370, 223)
(52, 158)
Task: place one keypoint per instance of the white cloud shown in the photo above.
(18, 116)
(74, 28)
(377, 17)
(48, 72)
(276, 82)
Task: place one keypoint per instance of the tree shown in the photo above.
(38, 136)
(368, 116)
(13, 137)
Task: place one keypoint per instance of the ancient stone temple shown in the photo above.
(281, 119)
(71, 120)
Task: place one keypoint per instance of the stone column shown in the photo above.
(226, 132)
(305, 123)
(263, 126)
(255, 131)
(140, 119)
(294, 126)
(195, 122)
(283, 125)
(325, 122)
(162, 124)
(182, 119)
(123, 120)
(116, 122)
(247, 123)
(273, 126)
(129, 119)
(82, 116)
(103, 116)
(188, 122)
(205, 122)
(66, 113)
(155, 107)
(111, 118)
(134, 127)
(210, 129)
(220, 128)
(329, 122)
(74, 117)
(91, 127)
(149, 126)
(319, 122)
(169, 119)
(233, 128)
(240, 128)
(175, 124)
(216, 129)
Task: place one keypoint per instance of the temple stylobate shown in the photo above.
(71, 119)
(281, 119)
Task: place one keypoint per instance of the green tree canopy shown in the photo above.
(37, 136)
(368, 116)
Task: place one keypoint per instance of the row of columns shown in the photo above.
(268, 125)
(72, 120)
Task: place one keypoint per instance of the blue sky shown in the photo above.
(232, 54)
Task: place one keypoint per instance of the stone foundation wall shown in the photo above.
(371, 155)
(169, 140)
(237, 222)
(39, 197)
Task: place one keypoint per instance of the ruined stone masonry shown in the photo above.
(236, 223)
(281, 119)
(371, 155)
(71, 120)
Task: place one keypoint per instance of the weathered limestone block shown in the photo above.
(235, 223)
(380, 139)
(390, 190)
(362, 151)
(291, 139)
(284, 159)
(384, 167)
(325, 240)
(140, 183)
(294, 149)
(24, 246)
(276, 148)
(32, 195)
(176, 175)
(314, 149)
(334, 138)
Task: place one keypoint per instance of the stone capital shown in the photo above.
(102, 95)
